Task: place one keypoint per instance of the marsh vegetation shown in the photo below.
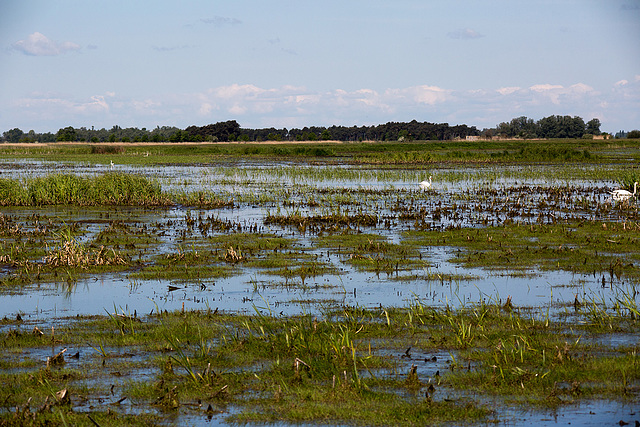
(318, 284)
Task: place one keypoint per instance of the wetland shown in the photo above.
(289, 284)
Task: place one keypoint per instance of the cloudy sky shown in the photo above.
(277, 63)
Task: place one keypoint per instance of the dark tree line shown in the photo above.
(392, 131)
(116, 133)
(549, 127)
(520, 127)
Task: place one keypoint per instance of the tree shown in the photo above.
(562, 127)
(634, 134)
(524, 127)
(504, 129)
(221, 131)
(577, 127)
(593, 127)
(13, 135)
(66, 134)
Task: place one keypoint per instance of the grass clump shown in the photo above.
(204, 200)
(115, 189)
(375, 409)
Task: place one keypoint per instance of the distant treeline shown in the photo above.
(231, 131)
(521, 127)
(548, 127)
(392, 131)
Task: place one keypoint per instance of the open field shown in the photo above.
(318, 283)
(414, 152)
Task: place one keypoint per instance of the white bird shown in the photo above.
(621, 195)
(425, 185)
(112, 165)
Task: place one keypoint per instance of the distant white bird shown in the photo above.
(112, 165)
(621, 195)
(425, 185)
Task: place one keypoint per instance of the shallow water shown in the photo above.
(251, 288)
(548, 293)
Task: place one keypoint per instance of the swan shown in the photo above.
(425, 185)
(621, 195)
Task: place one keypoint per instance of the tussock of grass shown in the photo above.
(204, 200)
(114, 189)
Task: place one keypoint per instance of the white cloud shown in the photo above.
(171, 48)
(559, 94)
(97, 103)
(205, 109)
(220, 21)
(237, 109)
(236, 90)
(145, 106)
(545, 87)
(38, 44)
(622, 82)
(424, 94)
(55, 104)
(368, 97)
(465, 34)
(291, 106)
(508, 90)
(580, 88)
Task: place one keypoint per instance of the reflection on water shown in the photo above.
(260, 188)
(275, 182)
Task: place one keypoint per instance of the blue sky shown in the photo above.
(138, 63)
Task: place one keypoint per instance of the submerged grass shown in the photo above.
(352, 365)
(371, 252)
(587, 247)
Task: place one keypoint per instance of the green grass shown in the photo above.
(112, 189)
(390, 153)
(346, 366)
(351, 365)
(585, 247)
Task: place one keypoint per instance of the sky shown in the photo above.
(296, 63)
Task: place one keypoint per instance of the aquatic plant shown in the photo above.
(68, 189)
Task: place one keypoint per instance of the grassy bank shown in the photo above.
(407, 153)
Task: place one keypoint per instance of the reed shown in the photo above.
(114, 189)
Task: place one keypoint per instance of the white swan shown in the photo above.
(621, 195)
(425, 185)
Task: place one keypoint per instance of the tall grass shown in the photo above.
(627, 179)
(118, 189)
